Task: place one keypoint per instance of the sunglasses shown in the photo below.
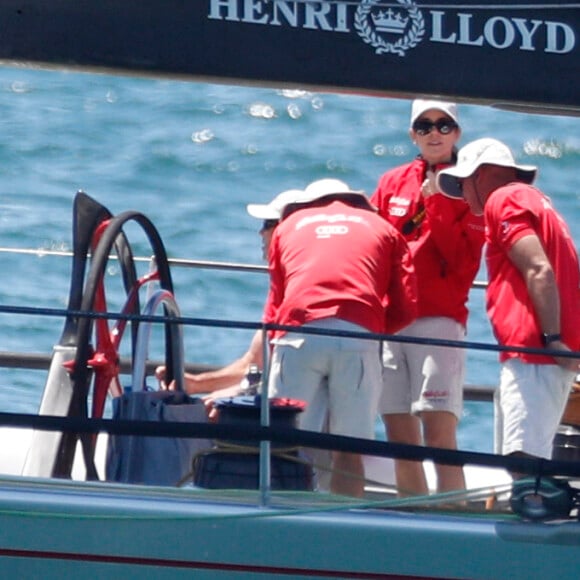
(269, 224)
(444, 126)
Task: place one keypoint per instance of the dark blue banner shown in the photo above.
(516, 53)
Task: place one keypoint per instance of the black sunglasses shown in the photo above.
(444, 126)
(269, 224)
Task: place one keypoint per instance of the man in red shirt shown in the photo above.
(422, 399)
(226, 381)
(533, 296)
(336, 265)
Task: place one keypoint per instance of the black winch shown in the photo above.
(232, 464)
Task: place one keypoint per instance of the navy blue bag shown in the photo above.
(155, 460)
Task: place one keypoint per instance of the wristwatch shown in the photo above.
(549, 338)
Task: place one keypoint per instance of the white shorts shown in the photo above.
(424, 377)
(337, 377)
(528, 407)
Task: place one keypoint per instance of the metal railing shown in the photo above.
(41, 361)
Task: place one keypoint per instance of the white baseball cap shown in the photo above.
(480, 152)
(274, 209)
(330, 187)
(420, 106)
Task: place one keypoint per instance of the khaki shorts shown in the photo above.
(424, 377)
(337, 377)
(528, 406)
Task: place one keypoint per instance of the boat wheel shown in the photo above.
(99, 365)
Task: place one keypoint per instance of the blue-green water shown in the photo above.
(190, 156)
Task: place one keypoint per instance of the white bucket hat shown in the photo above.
(420, 106)
(329, 187)
(473, 155)
(274, 209)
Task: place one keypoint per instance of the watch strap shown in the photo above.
(549, 338)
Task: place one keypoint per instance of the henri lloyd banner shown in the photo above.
(399, 26)
(515, 53)
(493, 51)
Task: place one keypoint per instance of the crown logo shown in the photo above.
(389, 21)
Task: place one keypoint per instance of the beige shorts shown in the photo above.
(528, 406)
(337, 377)
(424, 377)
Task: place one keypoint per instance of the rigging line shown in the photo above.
(181, 262)
(41, 361)
(281, 508)
(242, 324)
(178, 262)
(435, 499)
(292, 436)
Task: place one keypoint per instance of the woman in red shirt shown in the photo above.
(422, 399)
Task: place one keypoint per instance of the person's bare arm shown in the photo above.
(227, 376)
(528, 256)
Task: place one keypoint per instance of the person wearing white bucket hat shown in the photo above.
(323, 190)
(230, 377)
(274, 209)
(533, 292)
(471, 157)
(335, 265)
(422, 399)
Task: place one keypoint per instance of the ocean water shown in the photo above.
(190, 156)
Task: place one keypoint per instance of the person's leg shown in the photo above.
(440, 371)
(395, 408)
(439, 429)
(354, 385)
(347, 474)
(299, 373)
(410, 475)
(533, 398)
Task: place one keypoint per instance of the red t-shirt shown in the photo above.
(344, 262)
(445, 241)
(512, 212)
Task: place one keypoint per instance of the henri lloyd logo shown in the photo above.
(378, 27)
(398, 30)
(398, 26)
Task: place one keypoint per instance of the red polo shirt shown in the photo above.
(511, 212)
(445, 240)
(344, 262)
